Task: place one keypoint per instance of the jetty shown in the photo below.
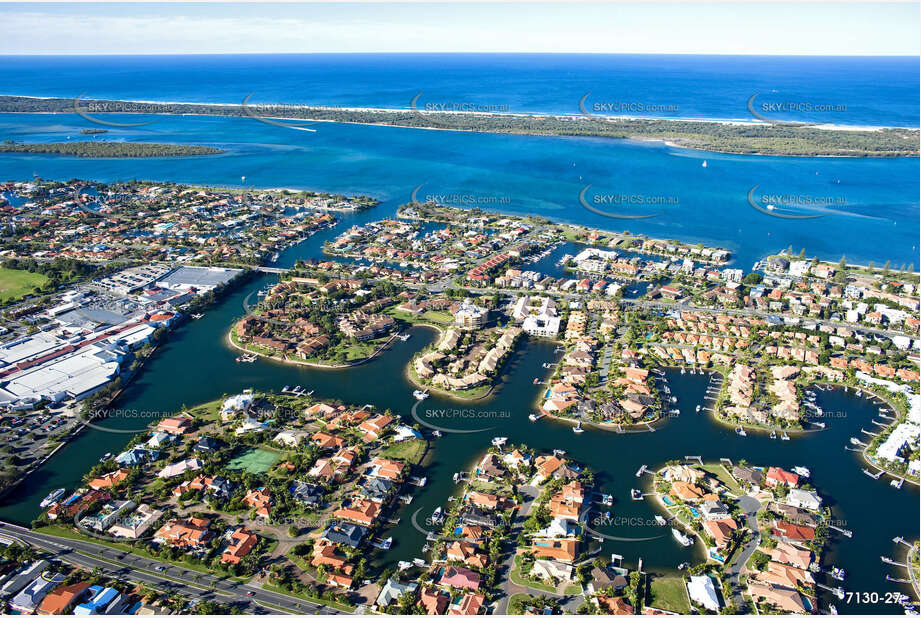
(642, 469)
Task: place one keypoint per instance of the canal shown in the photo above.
(195, 364)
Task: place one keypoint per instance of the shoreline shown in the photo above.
(288, 361)
(745, 122)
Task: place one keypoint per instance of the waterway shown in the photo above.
(195, 365)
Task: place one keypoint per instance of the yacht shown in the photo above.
(437, 515)
(740, 431)
(661, 520)
(105, 457)
(636, 494)
(532, 417)
(437, 433)
(773, 435)
(578, 428)
(897, 483)
(499, 441)
(52, 497)
(697, 409)
(383, 543)
(420, 395)
(802, 471)
(681, 538)
(784, 436)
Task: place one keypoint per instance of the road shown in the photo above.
(750, 507)
(164, 576)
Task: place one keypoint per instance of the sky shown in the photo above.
(821, 28)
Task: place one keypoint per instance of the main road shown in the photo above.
(162, 575)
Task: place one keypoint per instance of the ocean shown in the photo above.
(871, 205)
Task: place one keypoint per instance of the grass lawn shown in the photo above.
(68, 533)
(209, 412)
(518, 578)
(410, 451)
(668, 593)
(254, 460)
(334, 604)
(719, 472)
(17, 283)
(574, 588)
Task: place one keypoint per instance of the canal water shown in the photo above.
(195, 365)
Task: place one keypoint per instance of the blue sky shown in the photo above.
(824, 28)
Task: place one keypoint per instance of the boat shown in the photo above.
(832, 610)
(802, 471)
(856, 442)
(437, 515)
(697, 409)
(52, 497)
(420, 395)
(784, 436)
(536, 381)
(607, 514)
(704, 164)
(683, 566)
(673, 399)
(773, 435)
(437, 433)
(105, 457)
(607, 499)
(383, 543)
(740, 431)
(499, 441)
(681, 538)
(636, 494)
(578, 428)
(897, 483)
(197, 316)
(838, 573)
(682, 371)
(404, 337)
(661, 520)
(532, 417)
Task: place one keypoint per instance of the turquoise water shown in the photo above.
(877, 219)
(857, 91)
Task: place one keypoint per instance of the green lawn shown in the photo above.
(69, 533)
(254, 460)
(522, 580)
(410, 451)
(719, 472)
(334, 604)
(668, 593)
(15, 284)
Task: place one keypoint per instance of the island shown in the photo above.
(111, 150)
(781, 139)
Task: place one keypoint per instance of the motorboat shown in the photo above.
(661, 520)
(420, 394)
(532, 417)
(499, 441)
(682, 538)
(740, 431)
(438, 515)
(105, 457)
(437, 433)
(636, 494)
(383, 543)
(697, 409)
(784, 436)
(802, 471)
(52, 497)
(578, 428)
(773, 435)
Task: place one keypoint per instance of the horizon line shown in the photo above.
(419, 53)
